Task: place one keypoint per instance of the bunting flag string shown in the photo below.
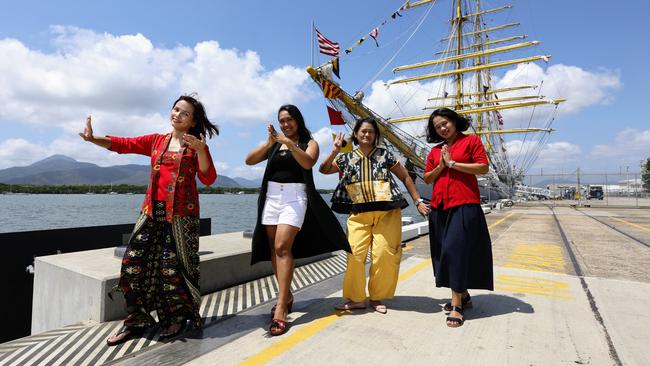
(336, 67)
(374, 33)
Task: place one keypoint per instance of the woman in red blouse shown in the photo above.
(461, 249)
(160, 268)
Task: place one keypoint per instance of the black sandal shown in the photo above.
(131, 333)
(466, 301)
(452, 319)
(180, 330)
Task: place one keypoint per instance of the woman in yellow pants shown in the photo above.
(369, 193)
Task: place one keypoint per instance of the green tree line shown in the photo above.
(117, 188)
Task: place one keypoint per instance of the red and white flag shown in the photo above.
(326, 46)
(374, 34)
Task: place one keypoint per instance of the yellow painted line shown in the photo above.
(299, 335)
(533, 286)
(537, 257)
(278, 348)
(501, 220)
(404, 276)
(632, 224)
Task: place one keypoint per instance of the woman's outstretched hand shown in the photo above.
(87, 135)
(338, 143)
(194, 143)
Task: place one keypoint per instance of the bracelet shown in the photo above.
(451, 163)
(418, 201)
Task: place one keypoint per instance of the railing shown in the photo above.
(624, 189)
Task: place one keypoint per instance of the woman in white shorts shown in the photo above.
(293, 220)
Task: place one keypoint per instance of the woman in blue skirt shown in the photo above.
(461, 249)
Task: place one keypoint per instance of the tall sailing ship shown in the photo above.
(462, 76)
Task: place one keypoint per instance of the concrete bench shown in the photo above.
(72, 287)
(414, 230)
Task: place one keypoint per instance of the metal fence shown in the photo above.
(583, 189)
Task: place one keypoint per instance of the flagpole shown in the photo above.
(311, 40)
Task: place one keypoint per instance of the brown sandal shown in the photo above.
(289, 306)
(379, 307)
(351, 305)
(278, 327)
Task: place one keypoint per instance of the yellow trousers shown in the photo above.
(381, 232)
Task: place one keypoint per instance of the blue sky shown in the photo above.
(125, 62)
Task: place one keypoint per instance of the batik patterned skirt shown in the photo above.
(160, 271)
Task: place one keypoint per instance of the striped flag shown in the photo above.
(326, 46)
(330, 90)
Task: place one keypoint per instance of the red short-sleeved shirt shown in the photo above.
(453, 187)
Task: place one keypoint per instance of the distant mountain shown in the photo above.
(248, 183)
(61, 169)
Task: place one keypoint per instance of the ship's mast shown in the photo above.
(480, 100)
(479, 82)
(459, 46)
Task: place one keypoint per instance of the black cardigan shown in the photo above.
(320, 233)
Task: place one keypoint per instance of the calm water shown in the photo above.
(229, 212)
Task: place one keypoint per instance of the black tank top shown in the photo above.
(285, 168)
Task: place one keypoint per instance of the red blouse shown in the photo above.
(179, 178)
(453, 187)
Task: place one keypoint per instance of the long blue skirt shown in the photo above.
(461, 249)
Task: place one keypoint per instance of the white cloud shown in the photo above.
(580, 87)
(551, 155)
(20, 152)
(324, 138)
(128, 84)
(235, 85)
(629, 147)
(221, 166)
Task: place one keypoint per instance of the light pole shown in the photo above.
(627, 179)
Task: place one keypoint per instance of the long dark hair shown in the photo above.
(202, 124)
(304, 135)
(461, 123)
(357, 127)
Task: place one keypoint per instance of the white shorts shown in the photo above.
(286, 203)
